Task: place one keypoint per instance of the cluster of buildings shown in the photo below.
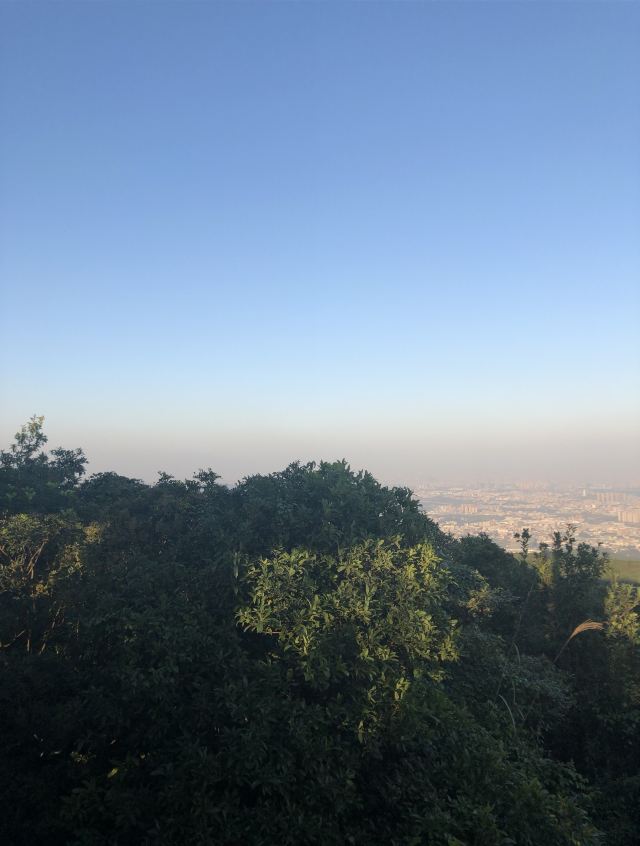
(632, 516)
(601, 515)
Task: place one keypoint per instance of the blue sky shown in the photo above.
(404, 233)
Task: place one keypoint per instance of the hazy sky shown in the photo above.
(238, 234)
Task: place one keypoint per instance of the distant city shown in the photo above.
(602, 515)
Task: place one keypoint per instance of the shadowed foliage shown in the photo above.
(303, 658)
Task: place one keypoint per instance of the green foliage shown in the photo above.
(31, 480)
(301, 659)
(324, 508)
(625, 569)
(358, 627)
(514, 583)
(39, 555)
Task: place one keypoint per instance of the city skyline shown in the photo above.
(599, 517)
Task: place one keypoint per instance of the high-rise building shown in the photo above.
(632, 515)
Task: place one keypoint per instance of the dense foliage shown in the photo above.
(301, 659)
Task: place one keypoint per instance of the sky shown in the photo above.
(241, 234)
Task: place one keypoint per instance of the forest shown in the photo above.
(301, 658)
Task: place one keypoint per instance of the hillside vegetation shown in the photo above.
(626, 569)
(304, 658)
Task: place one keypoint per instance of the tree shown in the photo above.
(33, 481)
(304, 658)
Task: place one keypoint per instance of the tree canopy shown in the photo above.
(304, 658)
